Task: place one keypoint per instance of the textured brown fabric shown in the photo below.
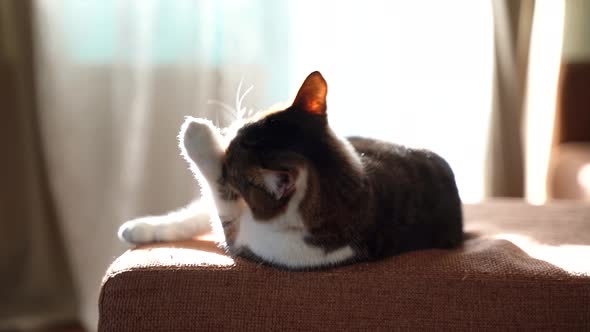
(487, 284)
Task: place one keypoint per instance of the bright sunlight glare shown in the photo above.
(398, 72)
(566, 256)
(543, 72)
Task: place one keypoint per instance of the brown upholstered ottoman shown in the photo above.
(492, 282)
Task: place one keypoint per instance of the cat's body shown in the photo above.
(290, 193)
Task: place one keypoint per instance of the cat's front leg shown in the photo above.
(202, 146)
(183, 224)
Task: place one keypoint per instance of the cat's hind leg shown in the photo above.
(179, 225)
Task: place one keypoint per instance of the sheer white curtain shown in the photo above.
(418, 73)
(116, 79)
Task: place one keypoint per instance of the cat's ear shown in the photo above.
(312, 94)
(278, 183)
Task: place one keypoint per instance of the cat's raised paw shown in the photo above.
(201, 142)
(198, 137)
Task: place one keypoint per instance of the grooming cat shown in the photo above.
(290, 193)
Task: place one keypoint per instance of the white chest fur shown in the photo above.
(281, 240)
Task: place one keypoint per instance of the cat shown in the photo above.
(290, 193)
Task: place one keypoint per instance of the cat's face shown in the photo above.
(267, 156)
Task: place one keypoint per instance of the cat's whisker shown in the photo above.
(238, 98)
(241, 109)
(238, 113)
(251, 112)
(241, 112)
(224, 107)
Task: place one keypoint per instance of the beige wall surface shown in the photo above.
(576, 39)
